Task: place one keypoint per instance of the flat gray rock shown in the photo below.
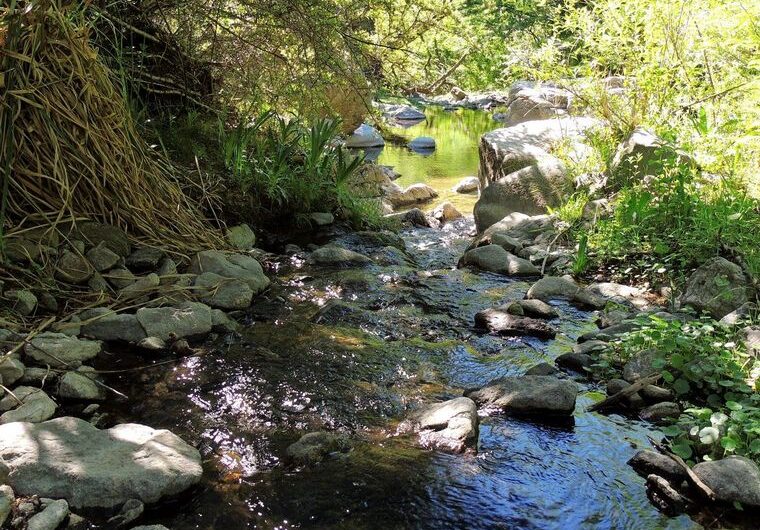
(51, 517)
(237, 266)
(336, 255)
(36, 406)
(69, 458)
(499, 320)
(494, 258)
(191, 319)
(104, 324)
(553, 287)
(223, 293)
(538, 395)
(61, 351)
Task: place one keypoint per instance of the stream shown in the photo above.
(356, 350)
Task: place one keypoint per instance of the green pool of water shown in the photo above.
(456, 134)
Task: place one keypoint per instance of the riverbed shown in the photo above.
(357, 350)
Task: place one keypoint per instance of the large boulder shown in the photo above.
(223, 293)
(717, 287)
(423, 144)
(60, 351)
(237, 266)
(467, 185)
(733, 479)
(542, 103)
(500, 320)
(494, 258)
(73, 268)
(528, 190)
(504, 152)
(69, 458)
(451, 426)
(642, 154)
(338, 256)
(528, 395)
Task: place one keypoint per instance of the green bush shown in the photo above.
(708, 367)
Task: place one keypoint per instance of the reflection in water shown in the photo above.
(456, 135)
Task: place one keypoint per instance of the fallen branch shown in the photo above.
(693, 478)
(627, 391)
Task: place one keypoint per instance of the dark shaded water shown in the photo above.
(390, 338)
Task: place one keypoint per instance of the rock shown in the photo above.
(414, 217)
(231, 266)
(526, 229)
(91, 468)
(6, 501)
(458, 94)
(241, 237)
(542, 369)
(61, 351)
(640, 366)
(577, 362)
(167, 272)
(660, 412)
(532, 308)
(642, 154)
(528, 395)
(222, 323)
(446, 212)
(647, 462)
(414, 194)
(23, 302)
(150, 527)
(314, 447)
(499, 320)
(717, 287)
(739, 315)
(597, 209)
(131, 510)
(77, 522)
(529, 104)
(153, 344)
(11, 370)
(22, 250)
(73, 268)
(494, 258)
(143, 286)
(102, 258)
(107, 325)
(322, 218)
(665, 497)
(423, 144)
(503, 152)
(591, 347)
(51, 517)
(80, 385)
(365, 136)
(36, 406)
(467, 185)
(751, 338)
(451, 426)
(119, 278)
(38, 376)
(402, 113)
(189, 320)
(598, 295)
(655, 394)
(145, 259)
(733, 479)
(98, 284)
(224, 293)
(111, 236)
(337, 255)
(507, 242)
(553, 287)
(528, 190)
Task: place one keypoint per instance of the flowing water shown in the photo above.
(356, 350)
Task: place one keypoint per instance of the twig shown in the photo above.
(627, 391)
(693, 478)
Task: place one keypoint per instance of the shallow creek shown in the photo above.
(356, 350)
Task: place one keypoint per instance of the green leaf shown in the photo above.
(671, 430)
(726, 383)
(729, 443)
(682, 449)
(681, 386)
(667, 376)
(733, 405)
(754, 447)
(677, 361)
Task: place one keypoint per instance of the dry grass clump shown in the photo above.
(69, 147)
